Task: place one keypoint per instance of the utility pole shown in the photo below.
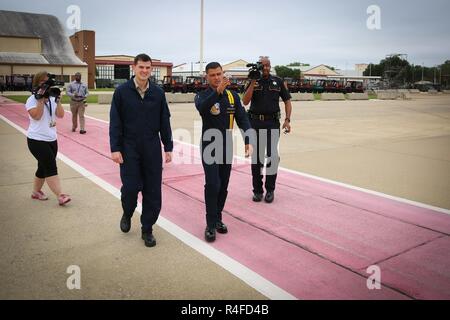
(201, 38)
(422, 71)
(434, 81)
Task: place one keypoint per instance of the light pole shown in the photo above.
(422, 71)
(434, 81)
(201, 38)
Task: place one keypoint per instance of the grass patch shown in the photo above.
(65, 99)
(317, 96)
(102, 90)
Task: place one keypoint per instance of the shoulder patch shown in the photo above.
(215, 109)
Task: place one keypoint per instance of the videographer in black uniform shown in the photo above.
(264, 92)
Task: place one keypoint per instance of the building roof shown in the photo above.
(121, 59)
(56, 47)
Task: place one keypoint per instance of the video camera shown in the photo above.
(49, 88)
(255, 72)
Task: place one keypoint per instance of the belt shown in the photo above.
(263, 117)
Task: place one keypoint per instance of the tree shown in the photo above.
(398, 71)
(285, 72)
(298, 64)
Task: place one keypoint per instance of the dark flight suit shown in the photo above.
(264, 113)
(135, 127)
(218, 113)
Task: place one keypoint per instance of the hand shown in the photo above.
(286, 126)
(248, 150)
(117, 157)
(223, 84)
(168, 156)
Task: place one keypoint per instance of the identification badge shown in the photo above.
(52, 124)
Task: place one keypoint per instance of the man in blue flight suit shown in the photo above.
(139, 115)
(264, 113)
(218, 108)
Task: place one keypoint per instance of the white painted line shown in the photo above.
(250, 277)
(337, 183)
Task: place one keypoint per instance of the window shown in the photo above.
(105, 72)
(156, 72)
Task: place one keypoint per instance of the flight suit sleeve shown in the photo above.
(166, 130)
(204, 102)
(116, 124)
(242, 119)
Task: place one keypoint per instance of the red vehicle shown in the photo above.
(174, 84)
(305, 86)
(194, 84)
(236, 85)
(334, 86)
(354, 86)
(292, 84)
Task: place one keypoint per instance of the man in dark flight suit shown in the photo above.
(218, 108)
(139, 115)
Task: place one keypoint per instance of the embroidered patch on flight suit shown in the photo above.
(215, 109)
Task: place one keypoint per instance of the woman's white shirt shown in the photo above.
(41, 129)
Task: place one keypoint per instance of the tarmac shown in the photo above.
(366, 183)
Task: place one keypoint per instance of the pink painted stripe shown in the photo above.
(314, 242)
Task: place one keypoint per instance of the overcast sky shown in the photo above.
(327, 31)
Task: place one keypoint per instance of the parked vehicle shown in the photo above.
(236, 84)
(174, 84)
(292, 84)
(354, 86)
(305, 86)
(194, 84)
(318, 86)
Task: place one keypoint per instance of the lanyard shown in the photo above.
(49, 107)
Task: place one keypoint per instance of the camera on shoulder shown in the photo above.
(49, 88)
(255, 71)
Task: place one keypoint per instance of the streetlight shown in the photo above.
(422, 71)
(201, 38)
(435, 67)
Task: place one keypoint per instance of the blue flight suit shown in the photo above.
(217, 113)
(136, 128)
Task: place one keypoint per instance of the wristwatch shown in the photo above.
(288, 120)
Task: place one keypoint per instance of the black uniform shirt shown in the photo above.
(266, 95)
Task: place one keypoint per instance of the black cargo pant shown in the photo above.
(267, 138)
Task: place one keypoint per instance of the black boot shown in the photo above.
(269, 197)
(221, 227)
(125, 223)
(210, 234)
(149, 239)
(257, 197)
